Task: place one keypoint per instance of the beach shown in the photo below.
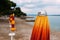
(23, 30)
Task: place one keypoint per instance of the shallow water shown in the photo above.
(53, 20)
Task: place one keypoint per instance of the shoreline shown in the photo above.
(23, 31)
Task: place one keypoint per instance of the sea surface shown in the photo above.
(53, 20)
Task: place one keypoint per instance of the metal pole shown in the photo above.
(12, 34)
(11, 37)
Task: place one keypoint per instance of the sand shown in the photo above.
(23, 30)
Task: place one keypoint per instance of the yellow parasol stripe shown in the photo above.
(41, 29)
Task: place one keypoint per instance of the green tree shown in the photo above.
(18, 12)
(5, 6)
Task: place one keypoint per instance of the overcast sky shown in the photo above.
(34, 6)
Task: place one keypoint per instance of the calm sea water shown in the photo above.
(53, 20)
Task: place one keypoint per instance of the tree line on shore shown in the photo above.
(7, 7)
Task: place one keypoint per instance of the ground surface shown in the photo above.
(23, 31)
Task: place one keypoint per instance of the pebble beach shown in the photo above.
(23, 30)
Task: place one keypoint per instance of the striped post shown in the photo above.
(12, 26)
(12, 22)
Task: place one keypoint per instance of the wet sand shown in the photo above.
(23, 30)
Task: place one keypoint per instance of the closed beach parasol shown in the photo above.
(41, 30)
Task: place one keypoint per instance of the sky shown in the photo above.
(35, 6)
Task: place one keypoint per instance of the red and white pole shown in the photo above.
(12, 26)
(12, 22)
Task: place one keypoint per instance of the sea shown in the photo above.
(54, 22)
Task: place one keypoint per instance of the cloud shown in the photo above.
(29, 5)
(51, 2)
(52, 9)
(36, 1)
(57, 1)
(24, 1)
(34, 6)
(26, 10)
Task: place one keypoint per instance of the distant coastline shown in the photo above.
(47, 15)
(53, 15)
